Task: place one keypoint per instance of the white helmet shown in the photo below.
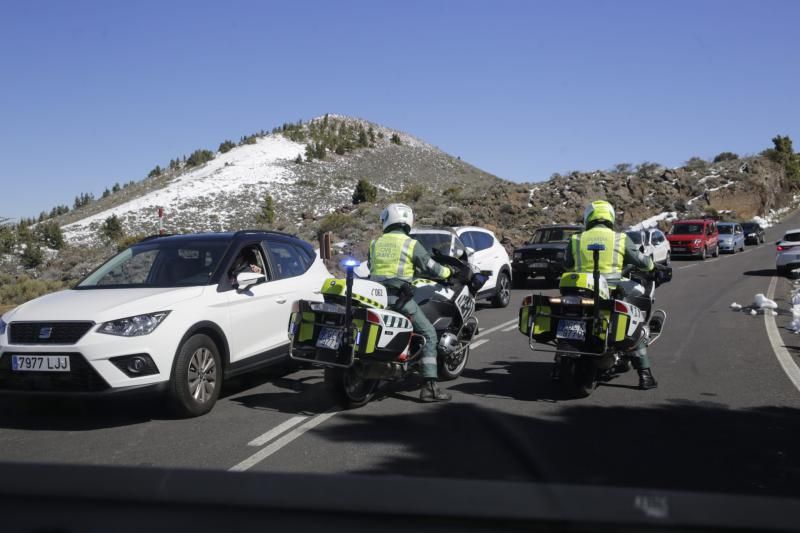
(397, 214)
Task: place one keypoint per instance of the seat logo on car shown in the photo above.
(45, 332)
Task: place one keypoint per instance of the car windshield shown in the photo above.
(724, 229)
(750, 227)
(159, 264)
(686, 229)
(635, 236)
(553, 235)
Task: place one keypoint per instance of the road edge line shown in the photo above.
(481, 333)
(284, 426)
(782, 354)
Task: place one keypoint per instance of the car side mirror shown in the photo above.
(470, 251)
(641, 248)
(245, 280)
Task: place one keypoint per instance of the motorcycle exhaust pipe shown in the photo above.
(382, 371)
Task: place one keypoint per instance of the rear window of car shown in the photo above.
(751, 227)
(477, 240)
(438, 241)
(792, 237)
(725, 230)
(547, 235)
(687, 229)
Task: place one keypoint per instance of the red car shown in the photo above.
(694, 237)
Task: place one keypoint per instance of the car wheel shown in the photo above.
(502, 293)
(716, 251)
(704, 254)
(667, 260)
(196, 377)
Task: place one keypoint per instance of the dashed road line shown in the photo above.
(495, 328)
(478, 343)
(281, 442)
(687, 266)
(784, 358)
(511, 327)
(274, 432)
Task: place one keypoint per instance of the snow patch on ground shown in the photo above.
(652, 222)
(248, 165)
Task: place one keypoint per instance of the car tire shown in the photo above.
(704, 254)
(668, 259)
(716, 251)
(502, 295)
(196, 377)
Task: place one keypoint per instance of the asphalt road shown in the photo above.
(725, 416)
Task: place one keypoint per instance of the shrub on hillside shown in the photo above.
(226, 146)
(395, 139)
(412, 193)
(364, 192)
(8, 239)
(50, 234)
(336, 223)
(112, 229)
(15, 290)
(156, 172)
(266, 215)
(696, 163)
(127, 241)
(454, 217)
(725, 156)
(199, 157)
(32, 256)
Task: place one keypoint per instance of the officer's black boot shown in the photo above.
(430, 392)
(646, 379)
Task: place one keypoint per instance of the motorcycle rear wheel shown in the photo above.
(578, 374)
(348, 388)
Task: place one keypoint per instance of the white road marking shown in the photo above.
(747, 251)
(711, 260)
(511, 327)
(281, 442)
(274, 432)
(495, 328)
(687, 266)
(784, 358)
(478, 343)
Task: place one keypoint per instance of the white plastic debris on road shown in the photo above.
(736, 307)
(753, 312)
(763, 302)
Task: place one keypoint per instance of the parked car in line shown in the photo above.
(490, 255)
(753, 233)
(731, 237)
(694, 237)
(174, 314)
(788, 252)
(654, 242)
(544, 254)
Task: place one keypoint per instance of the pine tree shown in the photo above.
(50, 234)
(266, 216)
(364, 192)
(395, 139)
(106, 193)
(32, 256)
(112, 229)
(226, 146)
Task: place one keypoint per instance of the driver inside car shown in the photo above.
(395, 259)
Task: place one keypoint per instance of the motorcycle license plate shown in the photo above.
(330, 338)
(571, 330)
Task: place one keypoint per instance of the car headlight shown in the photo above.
(517, 256)
(560, 255)
(133, 326)
(751, 234)
(3, 325)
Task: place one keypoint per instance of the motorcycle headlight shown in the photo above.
(133, 326)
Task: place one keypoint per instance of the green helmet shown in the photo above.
(598, 211)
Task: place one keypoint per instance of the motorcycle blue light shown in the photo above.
(350, 262)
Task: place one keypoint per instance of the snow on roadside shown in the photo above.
(256, 164)
(652, 222)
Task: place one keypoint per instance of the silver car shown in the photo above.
(731, 237)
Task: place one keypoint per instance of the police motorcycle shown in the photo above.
(593, 329)
(362, 343)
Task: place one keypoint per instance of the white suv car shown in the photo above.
(487, 253)
(173, 313)
(788, 250)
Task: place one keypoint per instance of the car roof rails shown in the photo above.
(156, 236)
(273, 232)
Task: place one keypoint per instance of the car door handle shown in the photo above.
(281, 299)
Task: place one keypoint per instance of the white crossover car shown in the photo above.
(655, 243)
(788, 250)
(176, 314)
(483, 250)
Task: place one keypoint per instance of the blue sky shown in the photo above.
(98, 92)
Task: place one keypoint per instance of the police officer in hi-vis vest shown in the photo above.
(598, 219)
(394, 260)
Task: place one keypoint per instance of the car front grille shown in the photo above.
(546, 255)
(47, 332)
(81, 377)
